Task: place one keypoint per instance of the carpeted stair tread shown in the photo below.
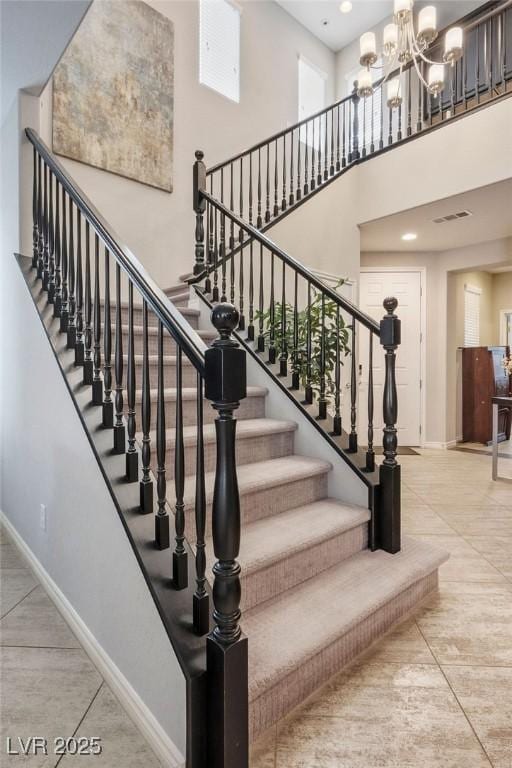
(275, 538)
(153, 331)
(190, 393)
(153, 359)
(262, 475)
(245, 429)
(326, 607)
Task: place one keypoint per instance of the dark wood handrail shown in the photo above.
(185, 336)
(503, 6)
(295, 265)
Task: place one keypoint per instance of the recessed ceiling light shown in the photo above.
(346, 6)
(409, 236)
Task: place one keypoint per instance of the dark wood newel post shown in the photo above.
(228, 708)
(199, 185)
(390, 503)
(355, 122)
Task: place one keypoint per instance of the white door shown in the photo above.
(406, 287)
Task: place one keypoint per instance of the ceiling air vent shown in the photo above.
(452, 217)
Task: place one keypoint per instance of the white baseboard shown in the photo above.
(441, 446)
(165, 749)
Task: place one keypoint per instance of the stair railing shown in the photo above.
(306, 330)
(263, 183)
(74, 251)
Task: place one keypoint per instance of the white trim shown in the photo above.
(441, 446)
(301, 57)
(422, 271)
(503, 325)
(165, 749)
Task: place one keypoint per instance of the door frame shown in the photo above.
(422, 271)
(503, 325)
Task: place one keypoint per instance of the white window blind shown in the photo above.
(311, 99)
(219, 47)
(367, 107)
(471, 316)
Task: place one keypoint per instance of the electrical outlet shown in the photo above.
(42, 517)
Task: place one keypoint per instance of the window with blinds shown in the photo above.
(219, 47)
(472, 316)
(368, 108)
(311, 100)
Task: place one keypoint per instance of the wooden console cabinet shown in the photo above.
(483, 377)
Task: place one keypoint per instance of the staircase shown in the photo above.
(221, 431)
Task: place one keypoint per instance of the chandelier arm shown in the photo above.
(418, 72)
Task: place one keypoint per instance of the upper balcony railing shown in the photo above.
(270, 178)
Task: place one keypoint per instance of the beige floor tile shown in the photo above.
(496, 549)
(36, 622)
(465, 563)
(385, 715)
(45, 692)
(263, 751)
(15, 584)
(403, 644)
(422, 519)
(121, 742)
(469, 623)
(485, 693)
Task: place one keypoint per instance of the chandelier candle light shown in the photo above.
(401, 44)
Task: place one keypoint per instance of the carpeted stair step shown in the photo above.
(191, 315)
(279, 552)
(306, 635)
(188, 371)
(266, 488)
(251, 407)
(169, 343)
(256, 440)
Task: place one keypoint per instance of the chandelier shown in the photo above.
(401, 45)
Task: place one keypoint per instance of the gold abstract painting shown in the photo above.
(113, 93)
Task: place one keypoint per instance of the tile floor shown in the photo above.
(48, 686)
(434, 693)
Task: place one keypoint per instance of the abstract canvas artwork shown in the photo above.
(113, 93)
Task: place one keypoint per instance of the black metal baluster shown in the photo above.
(419, 119)
(88, 367)
(35, 211)
(477, 66)
(343, 152)
(283, 357)
(179, 556)
(208, 241)
(308, 393)
(326, 144)
(250, 327)
(261, 335)
(119, 431)
(46, 249)
(215, 248)
(64, 266)
(349, 153)
(295, 356)
(108, 405)
(306, 158)
(312, 184)
(399, 131)
(201, 602)
(336, 426)
(79, 343)
(57, 303)
(132, 458)
(355, 123)
(322, 400)
(338, 163)
(51, 237)
(389, 471)
(352, 438)
(276, 204)
(364, 129)
(71, 330)
(259, 220)
(267, 187)
(241, 288)
(146, 484)
(97, 383)
(40, 220)
(283, 201)
(370, 453)
(199, 205)
(250, 187)
(241, 200)
(298, 191)
(162, 534)
(226, 652)
(231, 208)
(390, 126)
(409, 116)
(272, 335)
(291, 199)
(319, 154)
(331, 167)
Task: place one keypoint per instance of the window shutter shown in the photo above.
(471, 316)
(219, 47)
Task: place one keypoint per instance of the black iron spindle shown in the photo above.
(308, 392)
(261, 334)
(352, 438)
(199, 186)
(298, 191)
(88, 367)
(35, 211)
(51, 237)
(119, 430)
(343, 152)
(336, 427)
(331, 167)
(338, 162)
(370, 453)
(162, 533)
(79, 343)
(291, 199)
(108, 405)
(71, 329)
(64, 267)
(259, 220)
(295, 355)
(283, 201)
(215, 248)
(250, 327)
(97, 383)
(272, 335)
(146, 484)
(322, 400)
(409, 107)
(132, 458)
(363, 153)
(267, 187)
(312, 183)
(276, 192)
(201, 602)
(179, 556)
(306, 158)
(57, 303)
(283, 357)
(40, 220)
(319, 153)
(46, 245)
(231, 208)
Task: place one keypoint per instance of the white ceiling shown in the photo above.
(491, 220)
(342, 28)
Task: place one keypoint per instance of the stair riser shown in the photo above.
(269, 501)
(188, 372)
(269, 707)
(285, 574)
(249, 450)
(250, 408)
(152, 318)
(169, 344)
